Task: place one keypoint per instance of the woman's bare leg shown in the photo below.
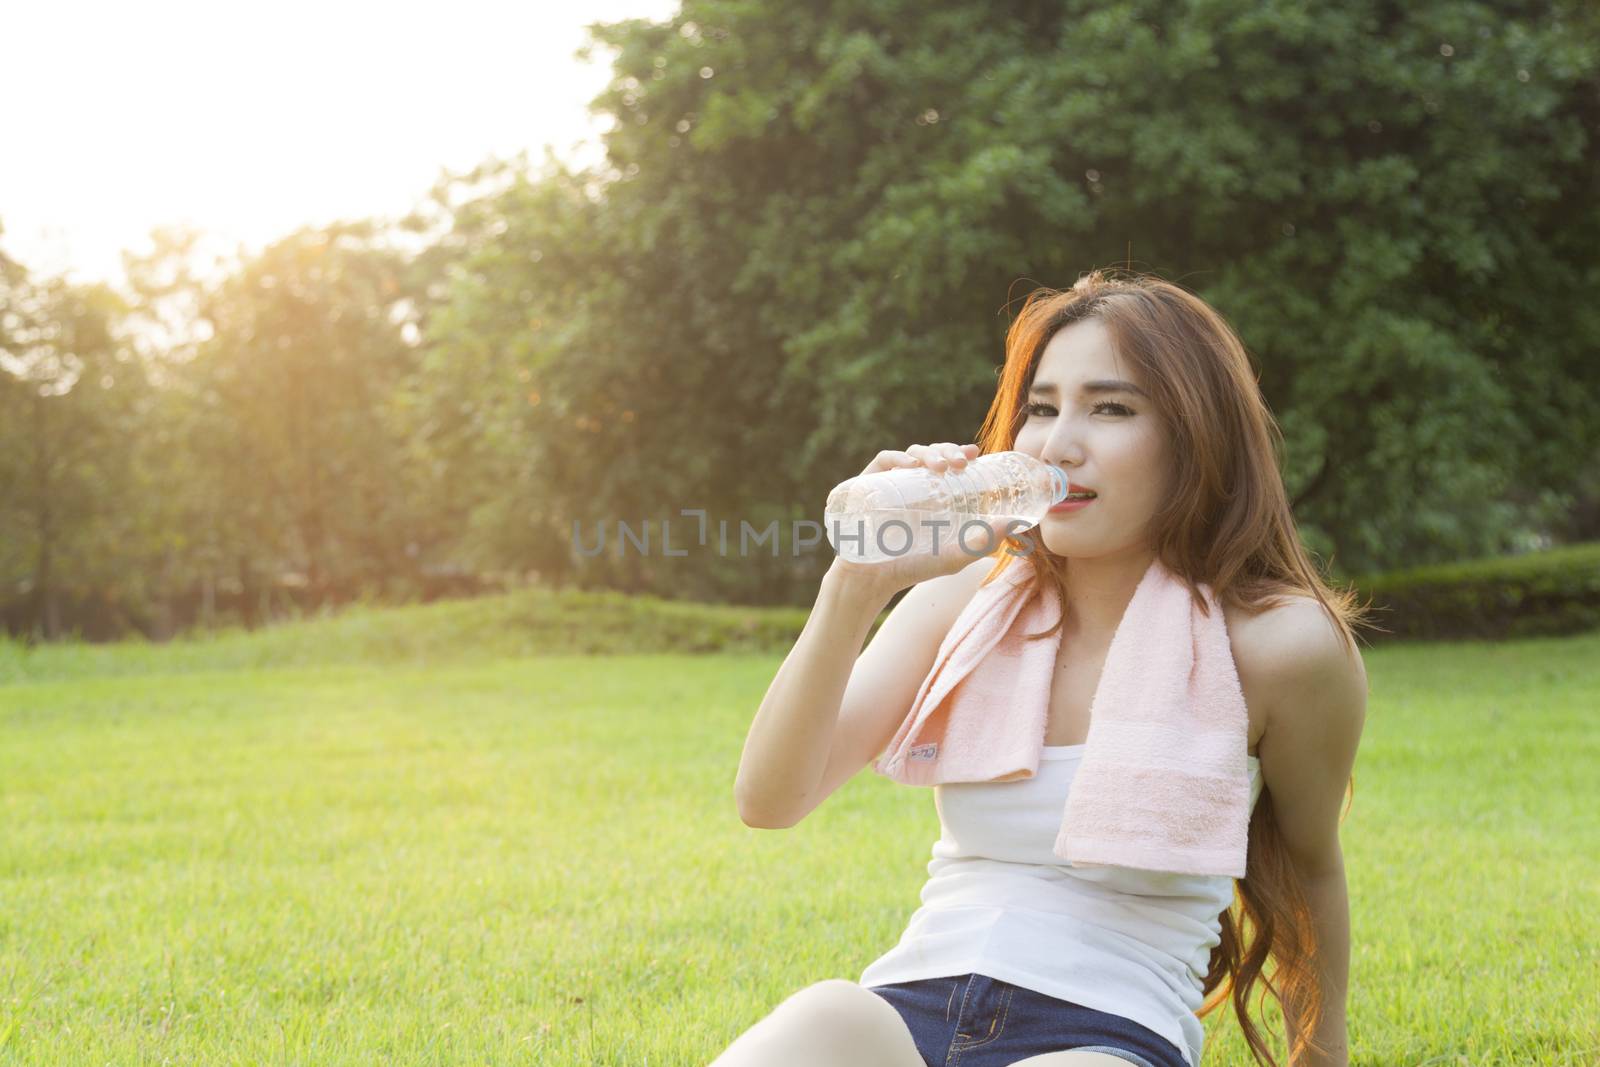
(833, 1023)
(1072, 1058)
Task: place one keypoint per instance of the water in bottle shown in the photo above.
(906, 511)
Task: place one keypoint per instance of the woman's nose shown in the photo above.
(1064, 446)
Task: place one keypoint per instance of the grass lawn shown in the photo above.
(339, 856)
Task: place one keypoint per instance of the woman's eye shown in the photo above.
(1040, 409)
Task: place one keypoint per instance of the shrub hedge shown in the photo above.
(1535, 594)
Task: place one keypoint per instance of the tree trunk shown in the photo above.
(47, 608)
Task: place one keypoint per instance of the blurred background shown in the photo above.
(321, 303)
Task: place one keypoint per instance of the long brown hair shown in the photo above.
(1227, 524)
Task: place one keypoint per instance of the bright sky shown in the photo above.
(249, 120)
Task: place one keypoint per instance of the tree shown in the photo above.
(70, 398)
(813, 219)
(294, 419)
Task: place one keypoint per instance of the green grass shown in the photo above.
(512, 859)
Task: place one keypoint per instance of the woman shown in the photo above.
(1138, 390)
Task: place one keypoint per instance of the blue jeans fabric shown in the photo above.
(972, 1020)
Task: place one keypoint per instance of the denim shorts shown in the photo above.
(972, 1020)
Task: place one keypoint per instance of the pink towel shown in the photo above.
(1163, 783)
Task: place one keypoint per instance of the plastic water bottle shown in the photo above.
(907, 511)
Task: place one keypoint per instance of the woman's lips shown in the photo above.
(1073, 505)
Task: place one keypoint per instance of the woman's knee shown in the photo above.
(838, 1021)
(839, 1006)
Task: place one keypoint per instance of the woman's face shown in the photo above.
(1110, 440)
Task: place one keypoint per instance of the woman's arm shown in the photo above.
(788, 744)
(830, 711)
(1330, 908)
(822, 695)
(1317, 701)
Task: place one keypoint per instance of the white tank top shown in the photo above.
(999, 902)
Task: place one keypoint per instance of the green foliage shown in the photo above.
(286, 433)
(71, 399)
(297, 385)
(802, 248)
(1540, 593)
(814, 216)
(500, 455)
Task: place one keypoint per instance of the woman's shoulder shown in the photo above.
(1280, 609)
(1283, 623)
(1291, 626)
(1292, 637)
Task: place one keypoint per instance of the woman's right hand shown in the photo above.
(902, 572)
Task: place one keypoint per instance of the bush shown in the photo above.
(1537, 594)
